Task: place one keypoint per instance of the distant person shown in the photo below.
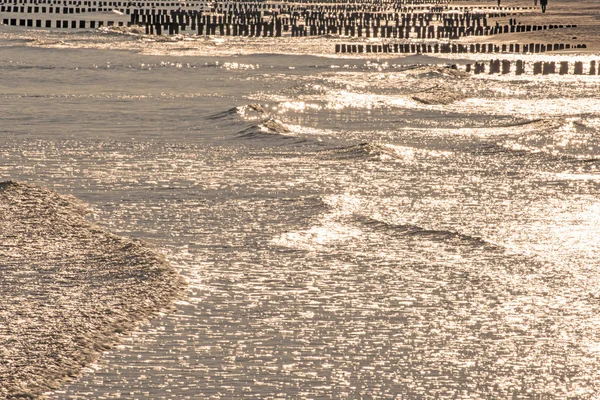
(535, 3)
(543, 3)
(499, 1)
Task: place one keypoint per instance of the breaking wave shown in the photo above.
(531, 122)
(542, 124)
(133, 30)
(251, 111)
(268, 128)
(438, 95)
(366, 150)
(565, 140)
(441, 235)
(377, 152)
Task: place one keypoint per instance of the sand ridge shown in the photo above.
(69, 289)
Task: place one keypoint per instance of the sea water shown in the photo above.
(342, 236)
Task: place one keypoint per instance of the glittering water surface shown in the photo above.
(341, 237)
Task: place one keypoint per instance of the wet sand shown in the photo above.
(70, 290)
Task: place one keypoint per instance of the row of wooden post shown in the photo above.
(60, 24)
(55, 10)
(450, 48)
(537, 68)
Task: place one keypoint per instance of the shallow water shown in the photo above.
(341, 238)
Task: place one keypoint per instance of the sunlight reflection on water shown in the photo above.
(380, 247)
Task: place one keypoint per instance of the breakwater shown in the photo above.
(416, 26)
(450, 48)
(520, 67)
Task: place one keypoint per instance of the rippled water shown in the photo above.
(341, 238)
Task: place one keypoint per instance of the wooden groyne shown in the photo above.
(415, 26)
(356, 19)
(453, 48)
(60, 24)
(521, 67)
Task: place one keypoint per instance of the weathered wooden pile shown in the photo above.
(302, 19)
(408, 26)
(454, 48)
(520, 67)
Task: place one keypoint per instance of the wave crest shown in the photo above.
(251, 111)
(439, 235)
(438, 95)
(268, 128)
(370, 151)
